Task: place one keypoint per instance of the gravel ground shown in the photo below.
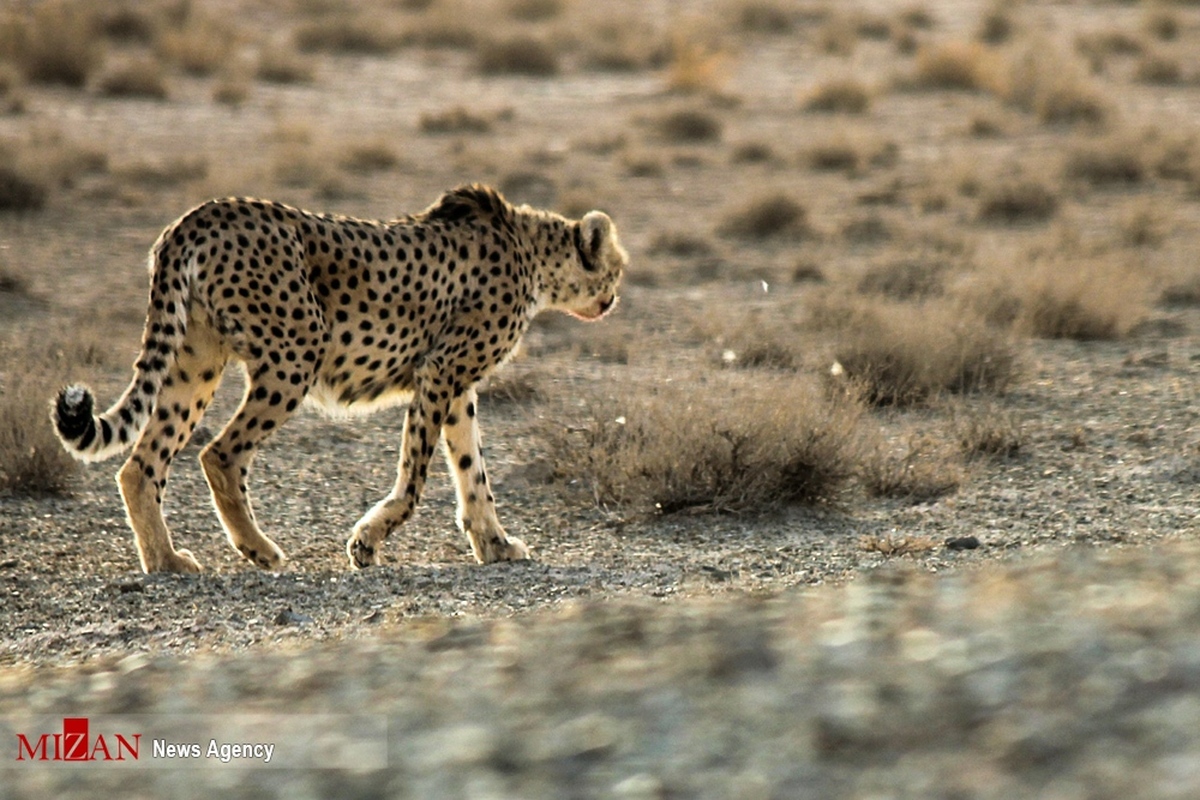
(668, 657)
(1067, 675)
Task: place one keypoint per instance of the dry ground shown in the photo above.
(961, 236)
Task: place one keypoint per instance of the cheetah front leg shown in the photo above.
(476, 504)
(422, 426)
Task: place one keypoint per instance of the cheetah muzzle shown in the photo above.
(351, 314)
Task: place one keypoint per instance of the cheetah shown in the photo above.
(351, 314)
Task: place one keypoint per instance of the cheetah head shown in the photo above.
(587, 287)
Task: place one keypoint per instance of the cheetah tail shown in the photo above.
(92, 437)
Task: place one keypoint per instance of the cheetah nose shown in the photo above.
(607, 303)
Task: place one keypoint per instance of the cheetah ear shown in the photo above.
(595, 229)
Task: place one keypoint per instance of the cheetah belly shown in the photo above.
(361, 380)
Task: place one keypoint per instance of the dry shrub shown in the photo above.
(1016, 200)
(1054, 88)
(1158, 69)
(623, 45)
(954, 65)
(517, 55)
(1183, 291)
(127, 22)
(12, 98)
(369, 155)
(55, 43)
(1113, 160)
(919, 469)
(905, 278)
(349, 34)
(681, 245)
(21, 190)
(232, 89)
(1144, 224)
(752, 153)
(986, 430)
(838, 34)
(902, 353)
(867, 229)
(755, 338)
(32, 167)
(1064, 296)
(534, 10)
(282, 64)
(711, 443)
(133, 77)
(840, 95)
(997, 24)
(771, 216)
(202, 46)
(513, 384)
(891, 544)
(850, 152)
(1161, 23)
(696, 66)
(689, 125)
(31, 459)
(764, 16)
(457, 119)
(163, 173)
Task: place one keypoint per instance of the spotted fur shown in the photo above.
(352, 314)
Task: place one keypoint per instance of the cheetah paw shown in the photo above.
(362, 555)
(502, 549)
(180, 561)
(267, 556)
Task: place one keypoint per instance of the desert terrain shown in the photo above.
(883, 480)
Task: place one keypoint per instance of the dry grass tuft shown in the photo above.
(901, 353)
(457, 119)
(161, 173)
(31, 459)
(697, 66)
(891, 544)
(1110, 161)
(1055, 89)
(202, 46)
(711, 443)
(920, 469)
(771, 216)
(21, 191)
(349, 34)
(1017, 200)
(987, 431)
(282, 64)
(134, 77)
(534, 10)
(1158, 69)
(840, 95)
(1065, 296)
(55, 43)
(689, 125)
(851, 152)
(518, 55)
(968, 66)
(905, 278)
(764, 16)
(369, 155)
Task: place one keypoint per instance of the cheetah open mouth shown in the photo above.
(596, 310)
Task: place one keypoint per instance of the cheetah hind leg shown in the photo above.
(267, 404)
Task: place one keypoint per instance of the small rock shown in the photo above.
(962, 543)
(289, 617)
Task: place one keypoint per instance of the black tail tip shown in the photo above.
(73, 412)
